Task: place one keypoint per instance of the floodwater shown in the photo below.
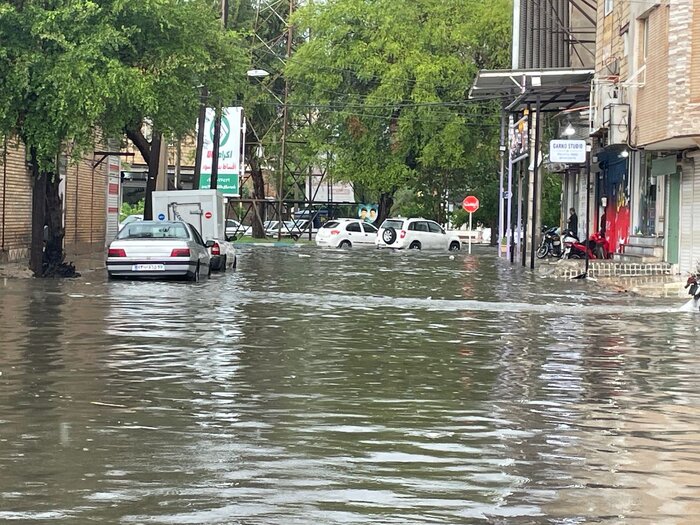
(361, 387)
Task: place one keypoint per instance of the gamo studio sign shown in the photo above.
(567, 151)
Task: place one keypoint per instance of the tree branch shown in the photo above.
(136, 136)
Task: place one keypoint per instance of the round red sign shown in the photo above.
(470, 204)
(207, 215)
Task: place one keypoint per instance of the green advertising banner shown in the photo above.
(225, 183)
(230, 159)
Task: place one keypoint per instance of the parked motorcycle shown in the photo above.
(550, 244)
(575, 249)
(599, 245)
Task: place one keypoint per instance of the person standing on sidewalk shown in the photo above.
(572, 225)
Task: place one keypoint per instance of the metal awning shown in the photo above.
(558, 89)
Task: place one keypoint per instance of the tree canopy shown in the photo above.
(389, 81)
(72, 71)
(69, 67)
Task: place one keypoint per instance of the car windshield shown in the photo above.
(153, 230)
(392, 223)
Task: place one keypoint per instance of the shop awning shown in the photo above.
(558, 89)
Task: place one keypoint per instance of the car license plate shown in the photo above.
(148, 268)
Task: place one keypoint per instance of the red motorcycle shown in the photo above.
(600, 246)
(575, 249)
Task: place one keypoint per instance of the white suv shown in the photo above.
(346, 233)
(415, 234)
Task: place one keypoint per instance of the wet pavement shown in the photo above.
(359, 387)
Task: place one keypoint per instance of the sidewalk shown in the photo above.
(83, 264)
(652, 286)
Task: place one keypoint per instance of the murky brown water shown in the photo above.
(323, 387)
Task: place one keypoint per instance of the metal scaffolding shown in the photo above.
(298, 177)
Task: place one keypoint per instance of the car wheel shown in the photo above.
(345, 244)
(295, 237)
(195, 276)
(415, 245)
(223, 264)
(389, 235)
(574, 256)
(235, 263)
(454, 246)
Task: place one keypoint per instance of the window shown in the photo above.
(369, 228)
(644, 40)
(393, 223)
(422, 226)
(353, 227)
(609, 6)
(435, 227)
(153, 230)
(198, 238)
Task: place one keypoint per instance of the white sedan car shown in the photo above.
(346, 233)
(156, 249)
(415, 234)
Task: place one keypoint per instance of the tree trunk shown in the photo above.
(256, 174)
(53, 251)
(47, 256)
(151, 156)
(38, 217)
(386, 201)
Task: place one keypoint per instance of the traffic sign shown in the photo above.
(207, 215)
(470, 204)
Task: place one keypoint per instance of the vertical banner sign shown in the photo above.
(113, 197)
(230, 151)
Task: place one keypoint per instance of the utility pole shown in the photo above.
(285, 123)
(217, 118)
(201, 121)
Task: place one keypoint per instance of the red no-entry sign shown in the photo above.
(470, 204)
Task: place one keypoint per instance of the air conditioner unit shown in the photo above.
(617, 120)
(605, 94)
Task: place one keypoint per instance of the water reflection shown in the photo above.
(346, 387)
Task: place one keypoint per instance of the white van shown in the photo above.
(206, 211)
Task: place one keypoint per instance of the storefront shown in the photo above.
(613, 197)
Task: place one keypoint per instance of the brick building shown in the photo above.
(646, 125)
(85, 195)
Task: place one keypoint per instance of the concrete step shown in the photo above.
(644, 240)
(638, 259)
(643, 250)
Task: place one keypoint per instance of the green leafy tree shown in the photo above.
(69, 68)
(390, 82)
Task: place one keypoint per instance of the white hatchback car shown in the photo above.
(346, 233)
(416, 234)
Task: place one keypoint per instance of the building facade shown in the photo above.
(85, 193)
(645, 122)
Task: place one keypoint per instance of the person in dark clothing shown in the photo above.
(572, 225)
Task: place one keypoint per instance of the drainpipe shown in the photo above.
(4, 191)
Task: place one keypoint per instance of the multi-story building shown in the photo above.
(646, 125)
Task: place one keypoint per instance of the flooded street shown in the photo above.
(331, 387)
